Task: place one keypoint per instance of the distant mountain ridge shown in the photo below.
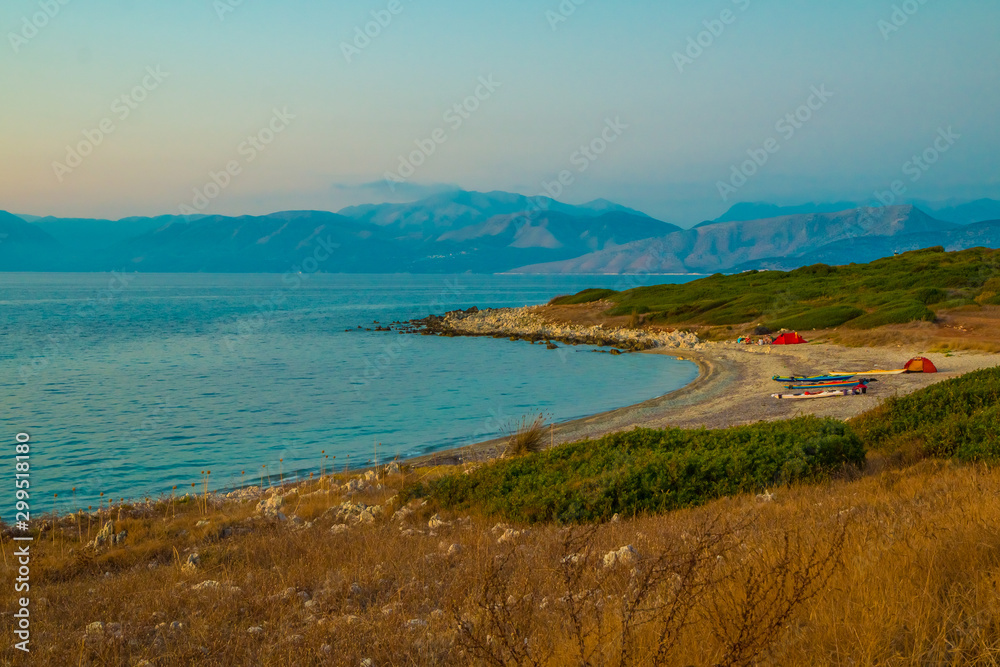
(725, 245)
(493, 232)
(963, 214)
(445, 233)
(747, 211)
(866, 249)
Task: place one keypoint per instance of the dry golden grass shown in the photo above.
(898, 566)
(525, 437)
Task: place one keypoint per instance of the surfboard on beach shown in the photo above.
(830, 393)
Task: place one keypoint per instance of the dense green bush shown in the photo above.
(957, 418)
(647, 470)
(818, 318)
(586, 296)
(930, 295)
(899, 312)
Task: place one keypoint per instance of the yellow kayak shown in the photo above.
(894, 372)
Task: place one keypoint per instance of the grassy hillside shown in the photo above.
(894, 290)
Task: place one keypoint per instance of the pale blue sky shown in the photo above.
(354, 120)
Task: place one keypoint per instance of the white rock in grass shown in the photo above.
(624, 556)
(95, 628)
(255, 630)
(270, 506)
(509, 535)
(437, 522)
(208, 584)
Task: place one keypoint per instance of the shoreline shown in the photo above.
(733, 387)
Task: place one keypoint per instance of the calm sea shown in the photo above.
(133, 383)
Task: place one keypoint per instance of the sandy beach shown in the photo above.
(734, 387)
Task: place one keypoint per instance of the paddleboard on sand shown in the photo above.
(813, 378)
(820, 386)
(860, 389)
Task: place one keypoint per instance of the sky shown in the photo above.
(114, 108)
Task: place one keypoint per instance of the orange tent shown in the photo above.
(789, 339)
(920, 365)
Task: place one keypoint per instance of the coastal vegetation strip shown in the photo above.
(957, 418)
(649, 471)
(909, 287)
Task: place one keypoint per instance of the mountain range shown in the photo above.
(492, 232)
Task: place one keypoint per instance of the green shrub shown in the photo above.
(957, 418)
(819, 318)
(648, 470)
(586, 296)
(814, 270)
(930, 295)
(900, 312)
(958, 303)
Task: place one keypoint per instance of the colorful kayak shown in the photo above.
(844, 384)
(896, 372)
(813, 378)
(831, 393)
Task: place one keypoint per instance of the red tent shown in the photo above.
(789, 339)
(920, 365)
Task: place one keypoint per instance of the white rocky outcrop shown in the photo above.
(627, 555)
(528, 322)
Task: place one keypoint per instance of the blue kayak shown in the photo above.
(840, 384)
(812, 378)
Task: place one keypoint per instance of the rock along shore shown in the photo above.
(528, 324)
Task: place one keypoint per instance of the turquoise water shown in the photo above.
(131, 384)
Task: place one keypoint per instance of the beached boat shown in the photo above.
(830, 393)
(813, 378)
(842, 384)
